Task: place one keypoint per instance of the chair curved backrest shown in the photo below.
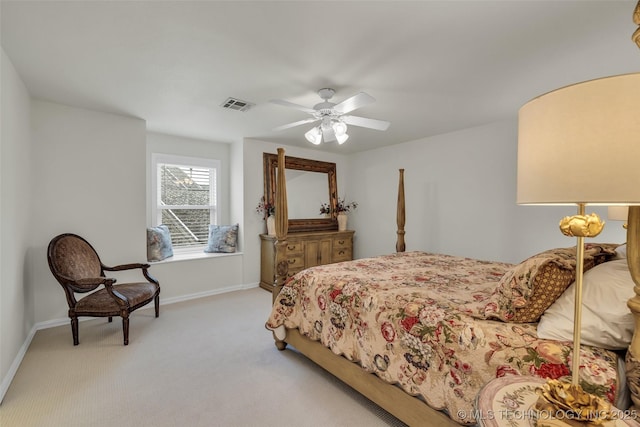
(71, 256)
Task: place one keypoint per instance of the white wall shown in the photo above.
(89, 178)
(16, 300)
(460, 195)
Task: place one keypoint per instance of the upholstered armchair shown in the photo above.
(77, 267)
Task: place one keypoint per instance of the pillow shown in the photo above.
(159, 243)
(528, 289)
(222, 238)
(621, 251)
(606, 319)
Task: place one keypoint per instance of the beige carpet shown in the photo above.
(205, 362)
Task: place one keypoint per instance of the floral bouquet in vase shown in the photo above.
(267, 210)
(342, 208)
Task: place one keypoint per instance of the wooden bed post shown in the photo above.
(633, 259)
(400, 216)
(282, 226)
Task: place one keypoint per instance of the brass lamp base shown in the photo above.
(573, 403)
(579, 226)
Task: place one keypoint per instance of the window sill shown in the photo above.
(191, 255)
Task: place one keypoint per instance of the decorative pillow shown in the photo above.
(159, 243)
(222, 238)
(527, 290)
(606, 319)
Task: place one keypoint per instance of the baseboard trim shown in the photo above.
(13, 369)
(209, 293)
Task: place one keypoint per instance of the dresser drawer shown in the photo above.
(342, 249)
(341, 244)
(294, 248)
(296, 262)
(341, 254)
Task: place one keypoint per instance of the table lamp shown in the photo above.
(579, 145)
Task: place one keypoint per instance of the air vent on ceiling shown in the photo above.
(237, 104)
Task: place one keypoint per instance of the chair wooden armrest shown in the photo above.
(125, 267)
(143, 266)
(94, 281)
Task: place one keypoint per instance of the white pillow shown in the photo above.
(606, 319)
(621, 252)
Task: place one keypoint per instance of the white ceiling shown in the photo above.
(433, 66)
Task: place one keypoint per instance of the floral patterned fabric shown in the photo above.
(528, 289)
(415, 320)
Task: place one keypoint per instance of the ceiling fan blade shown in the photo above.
(328, 134)
(356, 101)
(292, 105)
(294, 124)
(366, 123)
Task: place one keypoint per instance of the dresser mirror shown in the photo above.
(310, 184)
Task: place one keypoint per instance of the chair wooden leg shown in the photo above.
(156, 301)
(125, 329)
(74, 330)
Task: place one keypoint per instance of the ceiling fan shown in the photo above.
(332, 117)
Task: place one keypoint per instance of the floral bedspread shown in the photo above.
(412, 319)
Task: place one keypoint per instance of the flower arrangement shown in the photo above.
(345, 207)
(325, 209)
(265, 208)
(341, 207)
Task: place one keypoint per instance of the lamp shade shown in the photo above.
(581, 144)
(314, 135)
(339, 127)
(342, 138)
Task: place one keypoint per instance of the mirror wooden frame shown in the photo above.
(270, 163)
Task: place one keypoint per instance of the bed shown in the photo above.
(420, 333)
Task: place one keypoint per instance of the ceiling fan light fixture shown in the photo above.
(339, 127)
(342, 138)
(314, 135)
(333, 117)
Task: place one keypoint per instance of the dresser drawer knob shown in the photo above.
(290, 248)
(341, 242)
(292, 261)
(341, 253)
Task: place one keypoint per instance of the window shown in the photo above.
(185, 197)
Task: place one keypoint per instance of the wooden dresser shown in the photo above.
(304, 250)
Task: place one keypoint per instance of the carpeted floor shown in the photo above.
(204, 362)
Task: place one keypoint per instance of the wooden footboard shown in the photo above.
(410, 410)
